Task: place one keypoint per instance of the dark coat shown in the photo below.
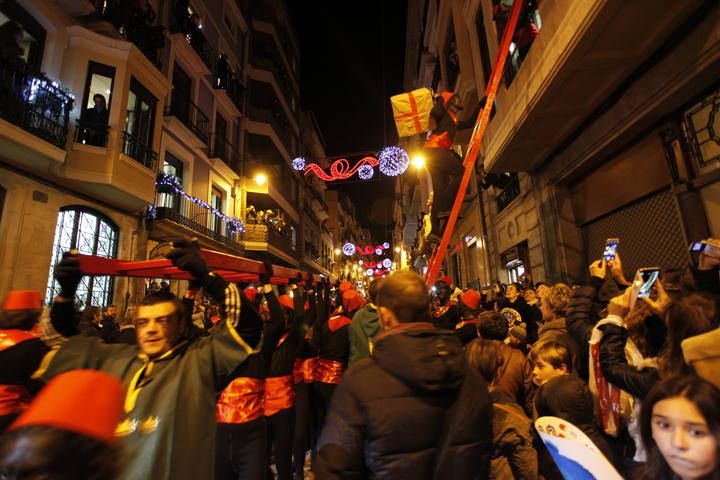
(411, 410)
(513, 454)
(514, 378)
(615, 367)
(569, 398)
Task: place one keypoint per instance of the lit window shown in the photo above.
(90, 233)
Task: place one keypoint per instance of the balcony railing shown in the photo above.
(276, 120)
(269, 62)
(34, 103)
(264, 233)
(135, 24)
(138, 150)
(508, 194)
(226, 151)
(191, 116)
(195, 217)
(232, 84)
(91, 133)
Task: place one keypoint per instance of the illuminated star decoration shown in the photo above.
(298, 163)
(171, 184)
(393, 161)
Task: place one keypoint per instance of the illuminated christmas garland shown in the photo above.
(350, 249)
(392, 161)
(171, 184)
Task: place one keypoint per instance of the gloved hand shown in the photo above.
(186, 256)
(265, 277)
(68, 274)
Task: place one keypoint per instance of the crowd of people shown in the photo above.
(401, 383)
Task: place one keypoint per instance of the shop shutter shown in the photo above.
(650, 232)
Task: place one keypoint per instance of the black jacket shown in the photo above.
(411, 410)
(569, 398)
(615, 367)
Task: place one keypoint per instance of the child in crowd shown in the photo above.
(563, 394)
(680, 427)
(513, 454)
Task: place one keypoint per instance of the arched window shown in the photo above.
(91, 233)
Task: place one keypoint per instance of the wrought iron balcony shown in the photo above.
(91, 133)
(135, 24)
(226, 151)
(138, 150)
(198, 218)
(508, 194)
(233, 86)
(35, 103)
(191, 116)
(280, 239)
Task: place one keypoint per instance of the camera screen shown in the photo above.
(610, 249)
(648, 278)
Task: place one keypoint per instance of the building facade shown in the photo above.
(201, 123)
(604, 127)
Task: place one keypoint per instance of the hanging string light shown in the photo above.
(171, 184)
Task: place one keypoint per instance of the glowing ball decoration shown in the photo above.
(369, 272)
(298, 163)
(387, 263)
(378, 251)
(366, 172)
(348, 249)
(386, 245)
(393, 161)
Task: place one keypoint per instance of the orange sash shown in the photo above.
(11, 337)
(242, 401)
(298, 370)
(279, 394)
(470, 321)
(439, 141)
(337, 322)
(13, 399)
(308, 368)
(328, 371)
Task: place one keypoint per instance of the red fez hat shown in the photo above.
(352, 300)
(471, 299)
(250, 293)
(87, 402)
(286, 301)
(445, 279)
(22, 299)
(345, 286)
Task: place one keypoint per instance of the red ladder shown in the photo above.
(438, 257)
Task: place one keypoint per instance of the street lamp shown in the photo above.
(337, 251)
(418, 161)
(260, 178)
(397, 249)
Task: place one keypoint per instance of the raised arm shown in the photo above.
(63, 316)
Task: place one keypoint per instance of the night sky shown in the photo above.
(351, 63)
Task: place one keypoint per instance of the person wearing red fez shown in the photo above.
(171, 380)
(445, 312)
(242, 441)
(469, 306)
(279, 384)
(334, 351)
(21, 352)
(68, 431)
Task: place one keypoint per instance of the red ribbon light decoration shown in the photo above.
(340, 169)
